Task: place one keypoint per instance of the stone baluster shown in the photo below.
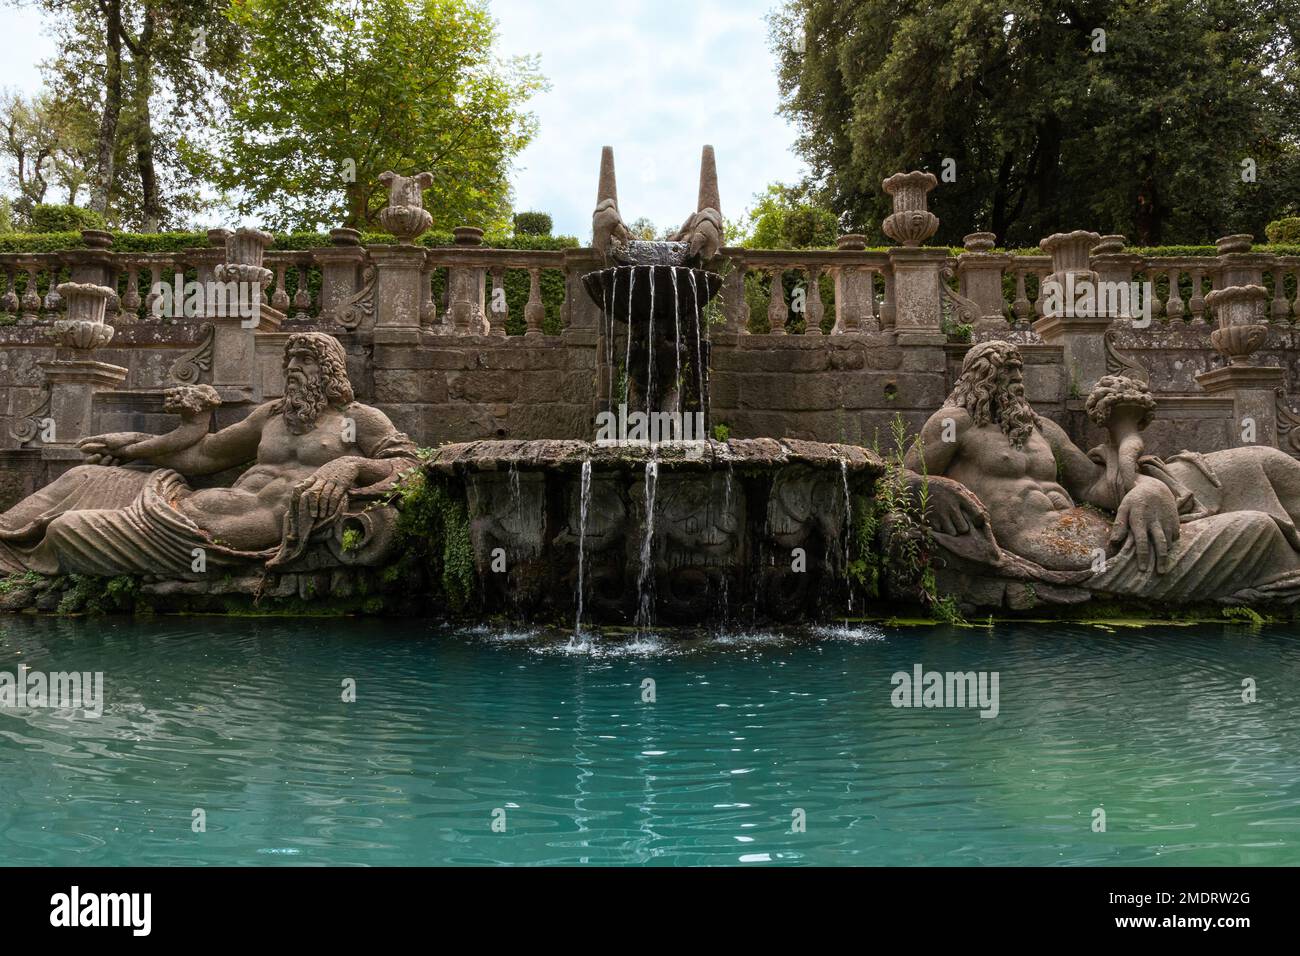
(155, 279)
(855, 292)
(428, 309)
(776, 307)
(465, 284)
(302, 293)
(1281, 308)
(735, 310)
(74, 376)
(498, 309)
(979, 273)
(1079, 335)
(1197, 302)
(131, 298)
(814, 309)
(1021, 307)
(1253, 388)
(1041, 275)
(534, 310)
(888, 307)
(9, 303)
(1174, 307)
(1295, 273)
(280, 295)
(31, 300)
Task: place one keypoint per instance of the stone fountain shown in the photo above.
(657, 292)
(666, 525)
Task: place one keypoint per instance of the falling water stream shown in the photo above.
(584, 501)
(645, 577)
(677, 343)
(848, 526)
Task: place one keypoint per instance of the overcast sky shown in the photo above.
(655, 79)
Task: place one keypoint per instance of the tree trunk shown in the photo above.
(144, 157)
(104, 162)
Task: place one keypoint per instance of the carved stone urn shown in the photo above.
(1071, 266)
(911, 222)
(245, 249)
(1239, 333)
(405, 216)
(83, 326)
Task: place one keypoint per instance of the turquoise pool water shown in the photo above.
(244, 719)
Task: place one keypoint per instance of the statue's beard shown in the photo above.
(304, 400)
(1015, 414)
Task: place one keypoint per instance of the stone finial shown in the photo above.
(709, 197)
(979, 242)
(1110, 245)
(405, 216)
(607, 187)
(851, 242)
(607, 227)
(911, 222)
(1238, 242)
(1239, 333)
(83, 327)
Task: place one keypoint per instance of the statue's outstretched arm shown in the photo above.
(218, 451)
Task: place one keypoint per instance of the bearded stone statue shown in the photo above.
(308, 454)
(1020, 509)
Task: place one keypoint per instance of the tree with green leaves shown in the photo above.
(334, 92)
(1163, 120)
(787, 217)
(150, 72)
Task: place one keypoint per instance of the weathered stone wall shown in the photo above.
(453, 389)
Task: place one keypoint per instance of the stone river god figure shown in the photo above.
(309, 452)
(1220, 526)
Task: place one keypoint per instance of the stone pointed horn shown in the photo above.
(608, 188)
(709, 198)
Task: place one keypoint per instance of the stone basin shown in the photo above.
(680, 293)
(747, 528)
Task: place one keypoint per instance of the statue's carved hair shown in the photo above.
(982, 389)
(333, 362)
(1114, 390)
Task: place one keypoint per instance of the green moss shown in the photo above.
(721, 432)
(433, 530)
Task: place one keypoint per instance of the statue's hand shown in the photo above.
(191, 401)
(109, 449)
(1149, 515)
(326, 491)
(951, 508)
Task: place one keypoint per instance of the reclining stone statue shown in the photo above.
(1017, 508)
(312, 455)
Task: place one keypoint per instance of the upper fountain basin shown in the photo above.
(627, 292)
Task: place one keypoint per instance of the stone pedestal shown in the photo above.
(73, 383)
(917, 299)
(399, 270)
(1253, 390)
(1079, 332)
(340, 266)
(979, 274)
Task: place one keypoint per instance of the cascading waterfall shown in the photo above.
(848, 526)
(677, 342)
(627, 361)
(645, 577)
(584, 500)
(699, 353)
(650, 396)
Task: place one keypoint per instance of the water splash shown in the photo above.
(645, 577)
(584, 500)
